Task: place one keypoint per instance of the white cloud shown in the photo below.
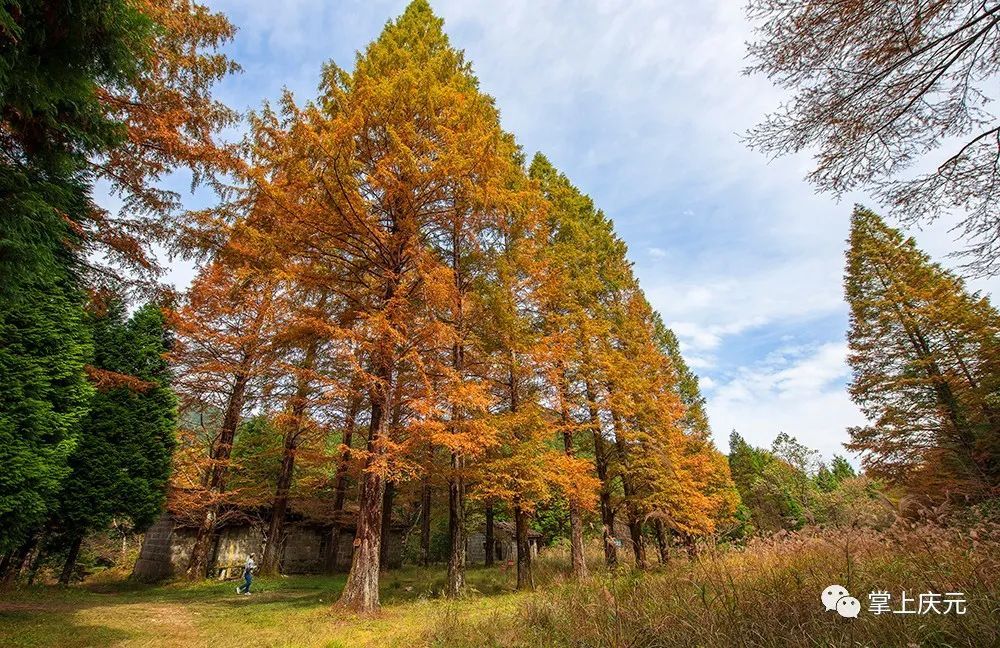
(795, 390)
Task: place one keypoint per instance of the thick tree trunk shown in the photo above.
(456, 528)
(361, 591)
(74, 553)
(202, 548)
(601, 463)
(638, 543)
(661, 541)
(340, 484)
(425, 524)
(525, 579)
(216, 483)
(579, 563)
(390, 492)
(489, 540)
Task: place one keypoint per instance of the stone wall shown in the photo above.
(154, 561)
(166, 549)
(233, 545)
(475, 548)
(305, 550)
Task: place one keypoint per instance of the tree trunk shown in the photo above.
(638, 543)
(5, 561)
(279, 507)
(489, 540)
(634, 523)
(340, 484)
(601, 463)
(576, 541)
(18, 559)
(525, 579)
(425, 524)
(34, 560)
(456, 482)
(577, 559)
(361, 591)
(456, 528)
(661, 541)
(221, 451)
(74, 553)
(390, 492)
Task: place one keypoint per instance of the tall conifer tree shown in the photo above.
(925, 353)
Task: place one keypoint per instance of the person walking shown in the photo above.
(244, 587)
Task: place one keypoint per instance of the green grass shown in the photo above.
(283, 611)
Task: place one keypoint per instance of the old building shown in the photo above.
(504, 547)
(166, 547)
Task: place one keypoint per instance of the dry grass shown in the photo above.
(764, 595)
(767, 595)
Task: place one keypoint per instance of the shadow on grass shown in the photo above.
(35, 628)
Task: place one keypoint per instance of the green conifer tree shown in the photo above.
(120, 466)
(53, 58)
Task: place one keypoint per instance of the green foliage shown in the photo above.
(785, 488)
(257, 453)
(120, 467)
(841, 469)
(551, 519)
(44, 344)
(828, 479)
(54, 56)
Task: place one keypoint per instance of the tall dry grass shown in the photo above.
(766, 594)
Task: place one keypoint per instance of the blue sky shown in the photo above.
(641, 104)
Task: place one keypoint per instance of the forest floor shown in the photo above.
(765, 594)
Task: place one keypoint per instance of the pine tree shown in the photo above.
(924, 353)
(585, 266)
(528, 466)
(120, 465)
(62, 66)
(44, 344)
(53, 56)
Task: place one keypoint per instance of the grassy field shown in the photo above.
(764, 595)
(285, 611)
